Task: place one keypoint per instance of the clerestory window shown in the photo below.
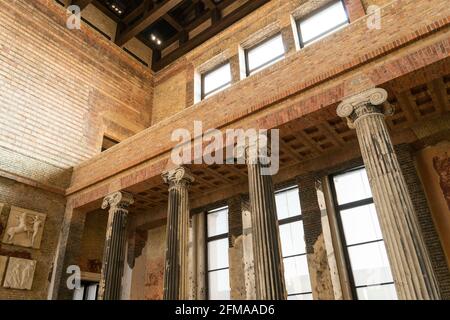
(321, 23)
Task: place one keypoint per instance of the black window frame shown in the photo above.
(249, 72)
(214, 238)
(338, 208)
(289, 220)
(204, 95)
(313, 13)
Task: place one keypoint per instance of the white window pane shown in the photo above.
(293, 201)
(219, 285)
(296, 275)
(352, 186)
(218, 254)
(361, 224)
(307, 296)
(78, 293)
(282, 206)
(384, 292)
(370, 264)
(217, 222)
(265, 52)
(288, 204)
(91, 292)
(324, 21)
(292, 239)
(217, 78)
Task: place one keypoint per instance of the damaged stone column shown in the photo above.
(319, 269)
(266, 238)
(114, 252)
(197, 257)
(410, 263)
(176, 266)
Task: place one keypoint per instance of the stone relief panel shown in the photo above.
(24, 228)
(3, 261)
(20, 274)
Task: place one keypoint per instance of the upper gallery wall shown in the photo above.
(276, 16)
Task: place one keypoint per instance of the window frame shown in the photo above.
(323, 34)
(205, 95)
(290, 220)
(211, 239)
(341, 233)
(249, 72)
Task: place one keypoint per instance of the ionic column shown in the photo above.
(266, 238)
(408, 257)
(176, 265)
(114, 251)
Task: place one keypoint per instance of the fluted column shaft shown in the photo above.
(177, 241)
(410, 263)
(114, 251)
(266, 238)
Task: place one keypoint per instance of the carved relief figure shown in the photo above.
(442, 167)
(36, 225)
(24, 228)
(20, 274)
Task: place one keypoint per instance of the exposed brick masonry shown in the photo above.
(405, 157)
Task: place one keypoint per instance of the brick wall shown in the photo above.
(75, 80)
(61, 90)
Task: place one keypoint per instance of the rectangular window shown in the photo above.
(264, 54)
(216, 80)
(296, 273)
(322, 22)
(365, 252)
(217, 254)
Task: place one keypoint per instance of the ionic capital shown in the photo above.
(179, 176)
(366, 103)
(118, 200)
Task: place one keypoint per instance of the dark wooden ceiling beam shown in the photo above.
(152, 16)
(227, 21)
(173, 22)
(141, 9)
(210, 4)
(99, 5)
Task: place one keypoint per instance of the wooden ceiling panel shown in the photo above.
(162, 23)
